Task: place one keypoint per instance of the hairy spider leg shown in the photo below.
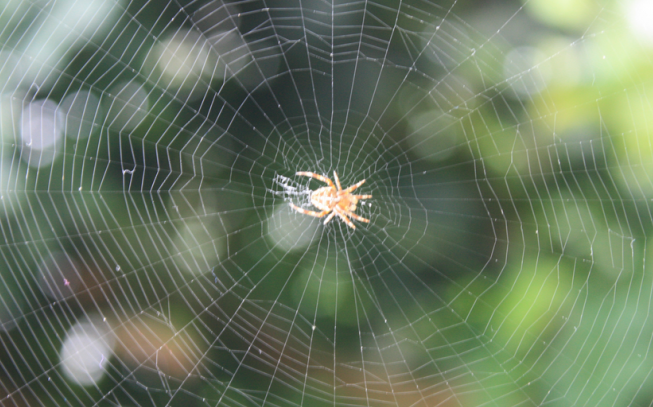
(328, 218)
(317, 176)
(360, 197)
(335, 175)
(351, 188)
(307, 212)
(344, 217)
(359, 218)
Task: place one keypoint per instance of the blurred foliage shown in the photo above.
(507, 147)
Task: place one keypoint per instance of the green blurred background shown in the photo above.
(148, 160)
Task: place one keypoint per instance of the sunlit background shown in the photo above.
(151, 255)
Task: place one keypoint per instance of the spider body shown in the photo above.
(332, 200)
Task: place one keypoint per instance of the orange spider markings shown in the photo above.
(332, 200)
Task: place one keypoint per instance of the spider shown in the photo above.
(333, 201)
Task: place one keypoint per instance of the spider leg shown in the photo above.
(318, 177)
(344, 217)
(328, 218)
(351, 188)
(306, 212)
(358, 218)
(335, 176)
(359, 197)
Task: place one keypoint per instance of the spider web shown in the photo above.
(149, 152)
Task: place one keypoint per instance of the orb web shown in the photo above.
(149, 159)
